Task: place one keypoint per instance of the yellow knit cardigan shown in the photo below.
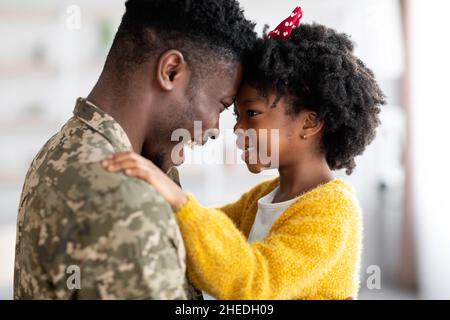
(311, 252)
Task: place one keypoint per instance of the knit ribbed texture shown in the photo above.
(311, 252)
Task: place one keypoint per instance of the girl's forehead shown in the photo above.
(249, 93)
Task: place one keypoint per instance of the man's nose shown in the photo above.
(213, 127)
(214, 133)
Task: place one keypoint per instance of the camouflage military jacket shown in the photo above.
(85, 233)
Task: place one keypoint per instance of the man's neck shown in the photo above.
(124, 108)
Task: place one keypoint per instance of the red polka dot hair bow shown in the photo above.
(284, 29)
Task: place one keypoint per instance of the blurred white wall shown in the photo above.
(431, 113)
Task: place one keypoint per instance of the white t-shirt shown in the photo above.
(266, 216)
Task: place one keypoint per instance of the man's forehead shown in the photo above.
(226, 77)
(226, 68)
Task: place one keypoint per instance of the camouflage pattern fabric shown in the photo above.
(117, 231)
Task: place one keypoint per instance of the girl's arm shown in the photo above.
(291, 259)
(222, 262)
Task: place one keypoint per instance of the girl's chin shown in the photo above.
(255, 168)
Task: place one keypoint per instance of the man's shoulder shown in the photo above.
(75, 143)
(90, 190)
(115, 193)
(69, 166)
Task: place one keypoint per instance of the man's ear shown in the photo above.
(311, 124)
(171, 67)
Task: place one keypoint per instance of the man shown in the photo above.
(85, 233)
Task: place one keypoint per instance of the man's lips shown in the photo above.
(193, 142)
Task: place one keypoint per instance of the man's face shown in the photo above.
(200, 103)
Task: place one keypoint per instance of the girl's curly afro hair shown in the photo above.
(318, 70)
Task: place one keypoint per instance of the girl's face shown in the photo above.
(266, 132)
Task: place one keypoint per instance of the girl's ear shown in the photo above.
(312, 125)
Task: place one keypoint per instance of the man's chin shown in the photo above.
(177, 159)
(175, 164)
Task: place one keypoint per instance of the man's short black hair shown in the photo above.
(200, 29)
(317, 69)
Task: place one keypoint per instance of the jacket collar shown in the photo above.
(103, 123)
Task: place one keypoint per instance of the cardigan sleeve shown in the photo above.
(221, 262)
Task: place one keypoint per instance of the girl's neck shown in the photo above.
(302, 176)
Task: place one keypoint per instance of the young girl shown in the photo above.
(297, 236)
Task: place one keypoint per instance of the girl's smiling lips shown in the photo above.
(243, 143)
(247, 147)
(247, 151)
(250, 148)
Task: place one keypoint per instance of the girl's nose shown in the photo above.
(238, 126)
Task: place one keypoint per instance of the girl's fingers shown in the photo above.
(126, 163)
(140, 174)
(132, 164)
(122, 155)
(118, 159)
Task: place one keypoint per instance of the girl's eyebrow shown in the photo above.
(248, 101)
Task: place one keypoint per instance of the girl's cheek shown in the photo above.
(263, 144)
